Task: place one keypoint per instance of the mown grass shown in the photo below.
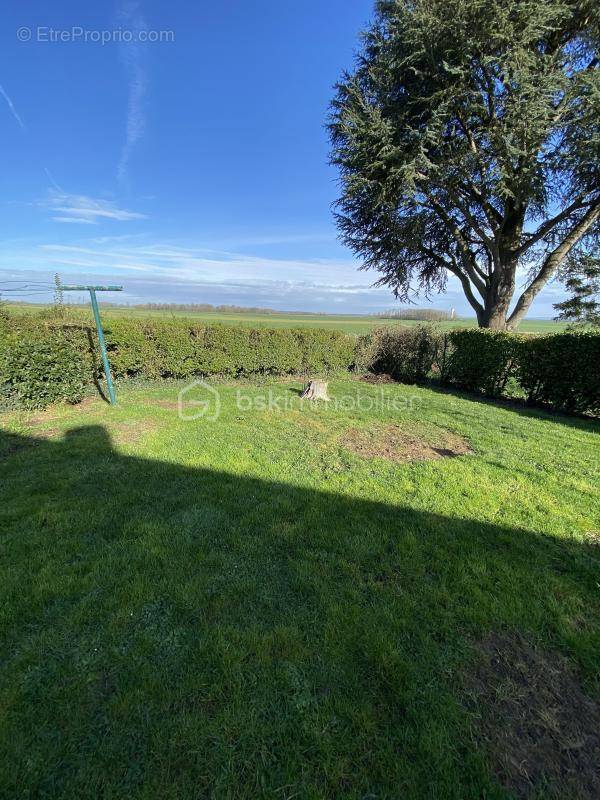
(346, 323)
(244, 608)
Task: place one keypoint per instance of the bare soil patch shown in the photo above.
(540, 728)
(172, 405)
(48, 433)
(398, 443)
(53, 412)
(132, 432)
(372, 377)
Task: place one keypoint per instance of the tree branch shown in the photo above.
(552, 262)
(547, 226)
(468, 258)
(464, 210)
(452, 267)
(490, 212)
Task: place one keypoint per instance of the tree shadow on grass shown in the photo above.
(177, 632)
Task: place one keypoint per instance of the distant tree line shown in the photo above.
(200, 307)
(423, 314)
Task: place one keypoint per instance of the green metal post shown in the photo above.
(109, 383)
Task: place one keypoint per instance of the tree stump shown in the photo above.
(315, 390)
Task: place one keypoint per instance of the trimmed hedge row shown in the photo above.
(40, 365)
(559, 370)
(407, 354)
(480, 360)
(562, 371)
(43, 361)
(471, 358)
(179, 350)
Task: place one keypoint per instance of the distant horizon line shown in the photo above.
(233, 309)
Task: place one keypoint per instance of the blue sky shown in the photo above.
(192, 169)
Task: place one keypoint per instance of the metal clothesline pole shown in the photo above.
(92, 290)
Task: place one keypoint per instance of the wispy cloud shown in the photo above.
(167, 272)
(21, 124)
(84, 210)
(132, 56)
(12, 108)
(54, 184)
(77, 220)
(204, 270)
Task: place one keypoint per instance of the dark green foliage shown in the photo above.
(173, 349)
(325, 352)
(407, 354)
(130, 350)
(42, 362)
(43, 366)
(365, 353)
(180, 349)
(467, 143)
(480, 360)
(582, 281)
(562, 371)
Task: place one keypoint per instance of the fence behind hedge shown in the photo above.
(44, 361)
(559, 370)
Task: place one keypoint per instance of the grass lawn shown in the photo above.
(346, 323)
(252, 607)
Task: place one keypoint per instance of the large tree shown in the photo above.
(468, 142)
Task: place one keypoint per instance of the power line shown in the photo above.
(38, 284)
(29, 289)
(25, 294)
(25, 288)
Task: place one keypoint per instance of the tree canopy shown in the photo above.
(468, 142)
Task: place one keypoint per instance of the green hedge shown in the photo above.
(480, 360)
(562, 370)
(180, 349)
(42, 365)
(406, 353)
(47, 360)
(43, 361)
(558, 370)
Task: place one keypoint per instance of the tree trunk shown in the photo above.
(497, 301)
(493, 318)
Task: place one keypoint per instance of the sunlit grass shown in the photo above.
(247, 608)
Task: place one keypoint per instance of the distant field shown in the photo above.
(347, 323)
